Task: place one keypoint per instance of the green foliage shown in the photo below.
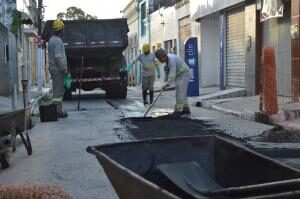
(16, 23)
(74, 13)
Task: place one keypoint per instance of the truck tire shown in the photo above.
(122, 91)
(68, 94)
(117, 91)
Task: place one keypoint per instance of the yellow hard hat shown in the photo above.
(146, 48)
(58, 25)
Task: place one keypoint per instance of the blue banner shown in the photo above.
(191, 58)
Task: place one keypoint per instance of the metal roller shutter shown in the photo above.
(235, 48)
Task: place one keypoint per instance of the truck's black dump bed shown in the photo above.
(194, 167)
(97, 46)
(101, 33)
(91, 38)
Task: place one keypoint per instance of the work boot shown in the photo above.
(60, 112)
(145, 97)
(151, 96)
(175, 114)
(186, 110)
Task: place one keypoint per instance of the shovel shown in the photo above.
(151, 105)
(80, 84)
(160, 92)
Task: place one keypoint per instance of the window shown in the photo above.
(143, 19)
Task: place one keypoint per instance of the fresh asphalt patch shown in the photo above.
(277, 135)
(159, 127)
(163, 127)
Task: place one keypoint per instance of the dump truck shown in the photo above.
(94, 50)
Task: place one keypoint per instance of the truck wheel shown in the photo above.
(4, 161)
(68, 95)
(122, 91)
(117, 91)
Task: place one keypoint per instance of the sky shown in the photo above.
(103, 9)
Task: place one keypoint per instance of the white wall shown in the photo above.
(210, 53)
(156, 29)
(170, 28)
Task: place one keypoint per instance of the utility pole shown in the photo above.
(39, 47)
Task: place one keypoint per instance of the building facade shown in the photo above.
(17, 58)
(8, 59)
(231, 36)
(130, 12)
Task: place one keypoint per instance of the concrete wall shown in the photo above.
(250, 51)
(182, 12)
(210, 51)
(156, 30)
(170, 27)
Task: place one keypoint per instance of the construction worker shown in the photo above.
(149, 65)
(178, 75)
(57, 66)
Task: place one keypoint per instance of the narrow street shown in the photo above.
(59, 148)
(144, 99)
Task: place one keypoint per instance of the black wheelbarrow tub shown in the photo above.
(164, 168)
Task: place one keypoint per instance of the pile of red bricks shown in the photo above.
(32, 192)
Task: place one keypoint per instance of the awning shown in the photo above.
(26, 19)
(200, 9)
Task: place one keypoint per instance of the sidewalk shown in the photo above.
(248, 108)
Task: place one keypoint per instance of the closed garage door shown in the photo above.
(235, 48)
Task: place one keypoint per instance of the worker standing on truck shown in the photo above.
(149, 65)
(178, 74)
(57, 66)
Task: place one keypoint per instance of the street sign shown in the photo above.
(38, 40)
(191, 58)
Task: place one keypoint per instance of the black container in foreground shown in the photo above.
(48, 113)
(194, 167)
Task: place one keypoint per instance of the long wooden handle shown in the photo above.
(80, 79)
(153, 102)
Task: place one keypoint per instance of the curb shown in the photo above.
(247, 115)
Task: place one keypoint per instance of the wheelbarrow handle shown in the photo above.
(26, 142)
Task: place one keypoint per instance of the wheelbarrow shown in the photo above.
(194, 167)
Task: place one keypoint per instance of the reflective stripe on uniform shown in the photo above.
(57, 99)
(181, 70)
(172, 75)
(58, 55)
(179, 106)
